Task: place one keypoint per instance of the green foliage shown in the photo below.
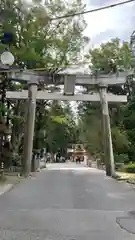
(16, 159)
(18, 119)
(120, 141)
(129, 124)
(59, 119)
(130, 168)
(90, 127)
(40, 42)
(110, 56)
(3, 109)
(121, 158)
(60, 128)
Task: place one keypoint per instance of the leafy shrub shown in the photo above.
(16, 159)
(121, 158)
(120, 141)
(130, 168)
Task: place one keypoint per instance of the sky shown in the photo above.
(107, 24)
(110, 23)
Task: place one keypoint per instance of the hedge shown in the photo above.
(130, 168)
(121, 158)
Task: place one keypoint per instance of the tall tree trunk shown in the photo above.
(2, 113)
(18, 130)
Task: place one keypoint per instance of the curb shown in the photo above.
(131, 181)
(128, 181)
(6, 188)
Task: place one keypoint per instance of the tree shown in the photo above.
(40, 42)
(60, 128)
(129, 124)
(90, 128)
(108, 58)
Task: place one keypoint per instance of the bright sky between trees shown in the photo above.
(110, 23)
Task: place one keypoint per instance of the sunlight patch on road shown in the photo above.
(115, 196)
(69, 169)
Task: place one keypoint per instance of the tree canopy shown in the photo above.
(43, 40)
(40, 42)
(107, 58)
(110, 56)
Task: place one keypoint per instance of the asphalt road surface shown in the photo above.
(68, 202)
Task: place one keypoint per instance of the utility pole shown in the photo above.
(29, 127)
(107, 139)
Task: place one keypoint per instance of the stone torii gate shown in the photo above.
(69, 81)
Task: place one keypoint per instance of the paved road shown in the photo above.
(68, 202)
